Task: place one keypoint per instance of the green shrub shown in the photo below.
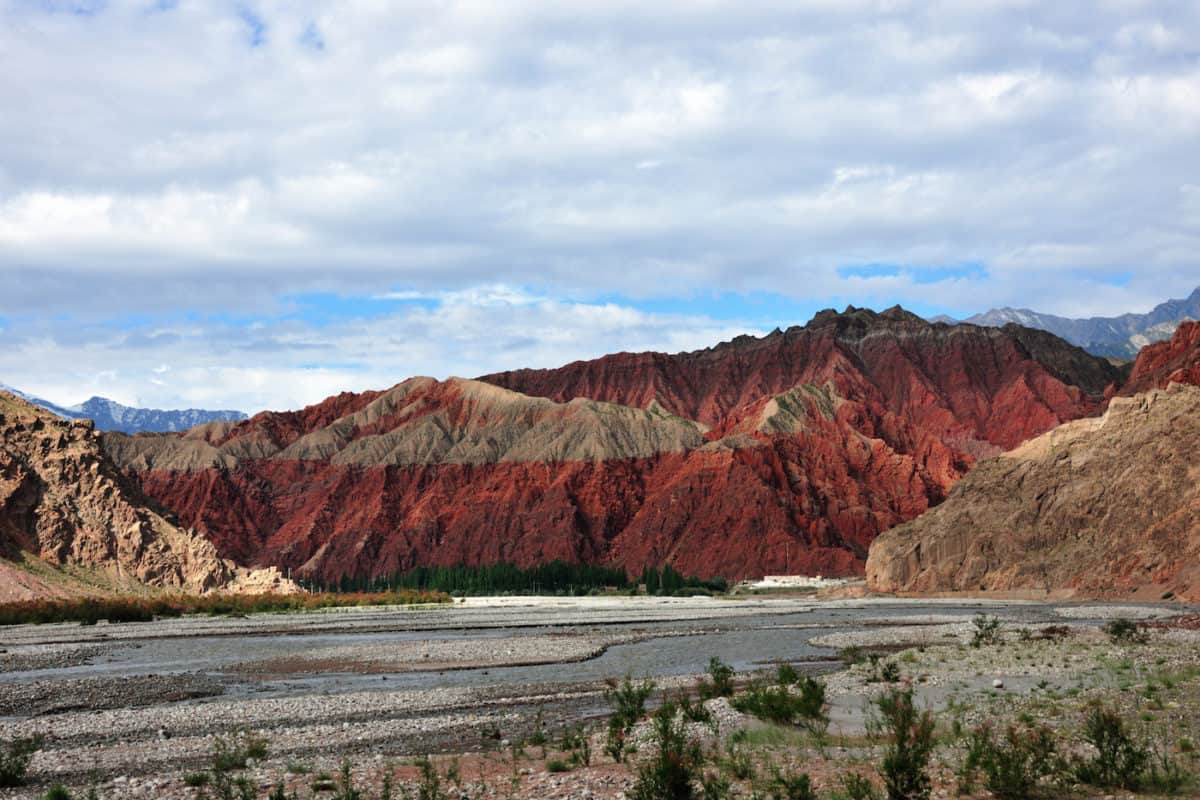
(57, 792)
(786, 675)
(856, 787)
(786, 786)
(715, 786)
(1120, 760)
(430, 786)
(1125, 631)
(234, 752)
(738, 762)
(987, 631)
(806, 706)
(1165, 775)
(197, 779)
(672, 772)
(628, 700)
(692, 710)
(557, 765)
(1013, 766)
(719, 682)
(909, 737)
(15, 757)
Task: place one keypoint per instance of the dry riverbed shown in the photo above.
(142, 735)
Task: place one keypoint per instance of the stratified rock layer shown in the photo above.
(1104, 507)
(63, 502)
(788, 453)
(1176, 360)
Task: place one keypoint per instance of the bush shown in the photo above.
(557, 765)
(1119, 760)
(909, 736)
(806, 707)
(786, 675)
(671, 773)
(1014, 765)
(234, 752)
(719, 682)
(1165, 776)
(856, 787)
(785, 786)
(628, 701)
(57, 792)
(15, 757)
(987, 631)
(1125, 631)
(430, 787)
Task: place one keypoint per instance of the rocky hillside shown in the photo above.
(1106, 507)
(788, 453)
(71, 523)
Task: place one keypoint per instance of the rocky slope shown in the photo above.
(1174, 361)
(70, 522)
(788, 453)
(1120, 337)
(1106, 507)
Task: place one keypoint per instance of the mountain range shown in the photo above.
(1118, 337)
(109, 415)
(783, 454)
(931, 457)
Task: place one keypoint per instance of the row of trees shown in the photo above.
(555, 577)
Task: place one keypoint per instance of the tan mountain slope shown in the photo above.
(70, 523)
(1103, 507)
(424, 421)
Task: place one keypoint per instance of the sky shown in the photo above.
(258, 204)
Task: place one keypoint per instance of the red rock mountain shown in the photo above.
(1100, 507)
(786, 453)
(1176, 360)
(71, 523)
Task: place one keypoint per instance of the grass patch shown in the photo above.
(89, 611)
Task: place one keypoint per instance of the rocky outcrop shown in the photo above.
(788, 453)
(1174, 361)
(1104, 507)
(64, 503)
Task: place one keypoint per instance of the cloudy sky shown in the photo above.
(256, 204)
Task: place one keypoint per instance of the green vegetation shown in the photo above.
(89, 611)
(15, 756)
(987, 631)
(909, 742)
(628, 701)
(1120, 760)
(719, 682)
(553, 578)
(1013, 765)
(672, 772)
(1125, 631)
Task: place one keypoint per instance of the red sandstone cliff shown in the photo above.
(787, 453)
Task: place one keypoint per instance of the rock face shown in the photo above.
(1173, 361)
(1106, 507)
(786, 454)
(64, 503)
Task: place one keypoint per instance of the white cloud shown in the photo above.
(154, 162)
(290, 364)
